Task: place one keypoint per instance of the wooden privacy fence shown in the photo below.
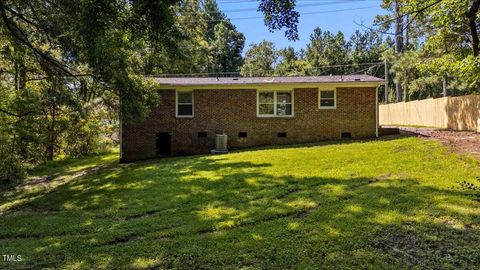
(457, 113)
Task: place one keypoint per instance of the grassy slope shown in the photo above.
(385, 204)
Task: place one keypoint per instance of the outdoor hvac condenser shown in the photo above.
(221, 142)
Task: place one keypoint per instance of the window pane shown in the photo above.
(265, 109)
(327, 94)
(284, 97)
(284, 109)
(185, 110)
(185, 97)
(265, 97)
(327, 103)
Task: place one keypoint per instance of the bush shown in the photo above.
(12, 169)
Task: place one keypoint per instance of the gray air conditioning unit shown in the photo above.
(221, 142)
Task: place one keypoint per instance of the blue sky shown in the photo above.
(327, 14)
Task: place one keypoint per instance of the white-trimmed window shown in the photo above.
(275, 103)
(184, 103)
(327, 99)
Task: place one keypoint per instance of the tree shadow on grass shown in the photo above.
(204, 212)
(320, 143)
(49, 176)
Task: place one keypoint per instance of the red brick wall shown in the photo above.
(233, 111)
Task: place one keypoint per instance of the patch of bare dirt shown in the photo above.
(459, 141)
(46, 179)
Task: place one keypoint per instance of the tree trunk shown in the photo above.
(20, 85)
(405, 91)
(50, 147)
(386, 82)
(472, 15)
(445, 90)
(399, 46)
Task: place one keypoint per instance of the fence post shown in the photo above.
(386, 82)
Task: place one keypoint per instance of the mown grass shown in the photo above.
(379, 204)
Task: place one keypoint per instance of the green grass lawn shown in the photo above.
(385, 204)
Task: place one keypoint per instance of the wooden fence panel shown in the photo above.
(457, 113)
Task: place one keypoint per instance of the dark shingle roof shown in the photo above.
(265, 80)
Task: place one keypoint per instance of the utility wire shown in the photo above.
(300, 5)
(298, 1)
(372, 64)
(301, 13)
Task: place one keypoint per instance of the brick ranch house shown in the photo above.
(252, 111)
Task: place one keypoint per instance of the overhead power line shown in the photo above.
(371, 64)
(298, 1)
(301, 13)
(319, 3)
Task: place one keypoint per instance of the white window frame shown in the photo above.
(320, 99)
(275, 103)
(176, 104)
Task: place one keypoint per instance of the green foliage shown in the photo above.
(210, 43)
(281, 14)
(367, 47)
(89, 134)
(227, 47)
(98, 38)
(325, 54)
(291, 63)
(326, 48)
(260, 59)
(40, 110)
(439, 48)
(11, 168)
(212, 15)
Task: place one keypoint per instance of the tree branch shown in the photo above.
(15, 114)
(373, 29)
(24, 40)
(407, 25)
(472, 15)
(21, 16)
(409, 13)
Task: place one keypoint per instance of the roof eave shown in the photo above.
(243, 85)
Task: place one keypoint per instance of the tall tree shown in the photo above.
(474, 26)
(281, 14)
(97, 38)
(445, 43)
(366, 47)
(396, 20)
(260, 59)
(291, 63)
(399, 45)
(227, 47)
(213, 16)
(327, 49)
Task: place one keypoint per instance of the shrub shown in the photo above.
(12, 169)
